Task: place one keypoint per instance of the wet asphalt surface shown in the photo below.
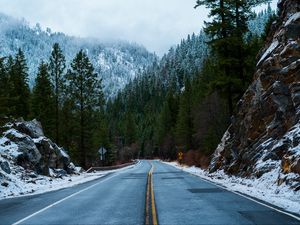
(119, 198)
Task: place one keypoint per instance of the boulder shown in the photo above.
(52, 156)
(29, 155)
(31, 128)
(33, 151)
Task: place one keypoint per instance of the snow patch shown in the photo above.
(13, 132)
(9, 148)
(38, 140)
(64, 154)
(272, 47)
(293, 18)
(221, 146)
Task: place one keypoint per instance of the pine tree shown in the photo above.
(219, 31)
(4, 92)
(19, 88)
(69, 135)
(43, 101)
(57, 67)
(85, 90)
(100, 136)
(226, 30)
(184, 125)
(4, 88)
(129, 129)
(166, 126)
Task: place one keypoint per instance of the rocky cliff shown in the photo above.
(265, 132)
(26, 153)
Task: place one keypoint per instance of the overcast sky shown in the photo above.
(156, 24)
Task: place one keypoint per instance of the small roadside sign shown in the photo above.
(102, 152)
(180, 156)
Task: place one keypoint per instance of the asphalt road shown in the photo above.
(120, 198)
(182, 198)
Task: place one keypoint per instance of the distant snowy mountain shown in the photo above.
(116, 62)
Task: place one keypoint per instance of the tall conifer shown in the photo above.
(43, 101)
(57, 67)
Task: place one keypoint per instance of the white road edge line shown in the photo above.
(66, 198)
(242, 195)
(252, 199)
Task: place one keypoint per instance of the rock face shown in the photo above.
(265, 132)
(24, 144)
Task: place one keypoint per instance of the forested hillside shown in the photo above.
(115, 62)
(183, 102)
(179, 102)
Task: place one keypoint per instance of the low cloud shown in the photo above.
(156, 24)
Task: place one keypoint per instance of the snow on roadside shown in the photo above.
(42, 184)
(265, 188)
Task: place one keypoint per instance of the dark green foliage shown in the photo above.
(129, 129)
(185, 101)
(43, 100)
(85, 91)
(184, 125)
(73, 109)
(227, 32)
(182, 102)
(165, 133)
(19, 92)
(4, 89)
(57, 67)
(69, 133)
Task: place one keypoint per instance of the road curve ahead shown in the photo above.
(185, 199)
(118, 198)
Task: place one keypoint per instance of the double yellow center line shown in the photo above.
(151, 215)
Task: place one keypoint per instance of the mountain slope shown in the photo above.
(265, 132)
(116, 62)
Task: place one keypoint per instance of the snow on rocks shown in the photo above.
(272, 47)
(26, 154)
(31, 163)
(264, 188)
(292, 19)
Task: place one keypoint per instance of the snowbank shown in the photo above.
(264, 188)
(33, 184)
